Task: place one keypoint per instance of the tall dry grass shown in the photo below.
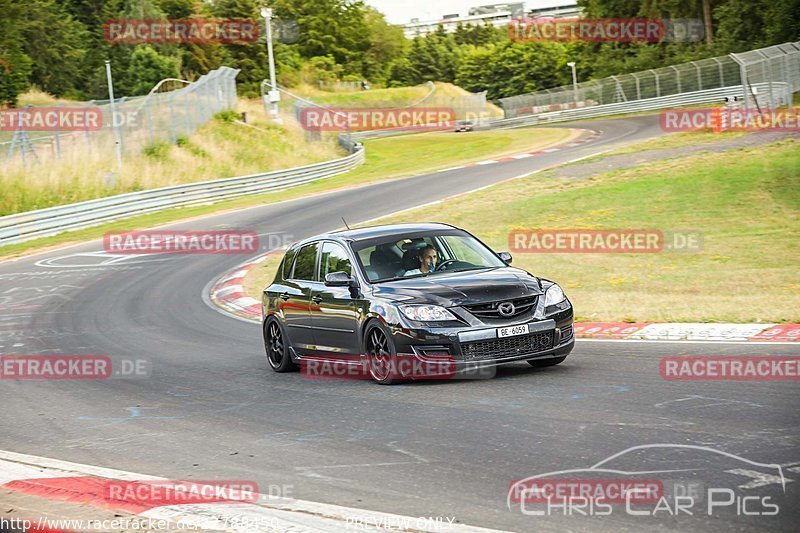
(222, 148)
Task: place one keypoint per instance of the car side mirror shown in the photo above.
(339, 279)
(505, 257)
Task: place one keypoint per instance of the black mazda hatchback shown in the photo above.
(396, 301)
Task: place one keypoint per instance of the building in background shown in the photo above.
(497, 15)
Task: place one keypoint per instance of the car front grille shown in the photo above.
(489, 310)
(507, 347)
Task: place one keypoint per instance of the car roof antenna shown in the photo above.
(345, 223)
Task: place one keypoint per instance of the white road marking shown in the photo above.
(719, 401)
(269, 513)
(757, 479)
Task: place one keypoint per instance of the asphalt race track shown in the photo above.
(212, 408)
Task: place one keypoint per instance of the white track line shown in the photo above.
(273, 513)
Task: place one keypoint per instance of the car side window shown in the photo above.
(288, 261)
(334, 259)
(306, 262)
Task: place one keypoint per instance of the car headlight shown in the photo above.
(426, 313)
(554, 296)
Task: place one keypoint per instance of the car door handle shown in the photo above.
(285, 296)
(316, 299)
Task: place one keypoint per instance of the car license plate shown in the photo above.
(512, 331)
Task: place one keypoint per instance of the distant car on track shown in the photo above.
(464, 125)
(426, 291)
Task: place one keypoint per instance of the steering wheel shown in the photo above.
(441, 266)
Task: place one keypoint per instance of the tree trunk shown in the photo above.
(707, 22)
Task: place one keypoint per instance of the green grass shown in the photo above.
(746, 204)
(676, 140)
(386, 159)
(400, 94)
(409, 155)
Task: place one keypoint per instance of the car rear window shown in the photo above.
(288, 261)
(305, 263)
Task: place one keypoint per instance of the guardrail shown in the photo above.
(54, 220)
(710, 96)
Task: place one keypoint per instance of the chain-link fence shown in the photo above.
(463, 106)
(770, 75)
(766, 78)
(124, 126)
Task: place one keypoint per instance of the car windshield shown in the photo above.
(399, 257)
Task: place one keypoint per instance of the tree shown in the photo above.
(513, 68)
(15, 65)
(56, 44)
(386, 44)
(335, 28)
(148, 67)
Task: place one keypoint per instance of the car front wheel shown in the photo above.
(277, 347)
(381, 358)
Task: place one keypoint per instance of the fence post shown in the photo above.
(121, 128)
(699, 76)
(172, 131)
(721, 72)
(744, 81)
(768, 75)
(677, 78)
(658, 85)
(58, 138)
(638, 89)
(148, 115)
(787, 75)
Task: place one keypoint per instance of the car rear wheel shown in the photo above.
(539, 363)
(277, 347)
(381, 356)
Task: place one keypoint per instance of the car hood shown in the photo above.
(461, 288)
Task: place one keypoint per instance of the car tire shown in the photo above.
(276, 346)
(381, 355)
(541, 363)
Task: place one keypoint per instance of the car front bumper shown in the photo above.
(466, 348)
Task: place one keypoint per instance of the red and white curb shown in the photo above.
(688, 331)
(61, 481)
(584, 139)
(228, 294)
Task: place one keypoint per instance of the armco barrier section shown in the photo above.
(54, 220)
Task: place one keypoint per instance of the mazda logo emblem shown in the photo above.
(506, 309)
